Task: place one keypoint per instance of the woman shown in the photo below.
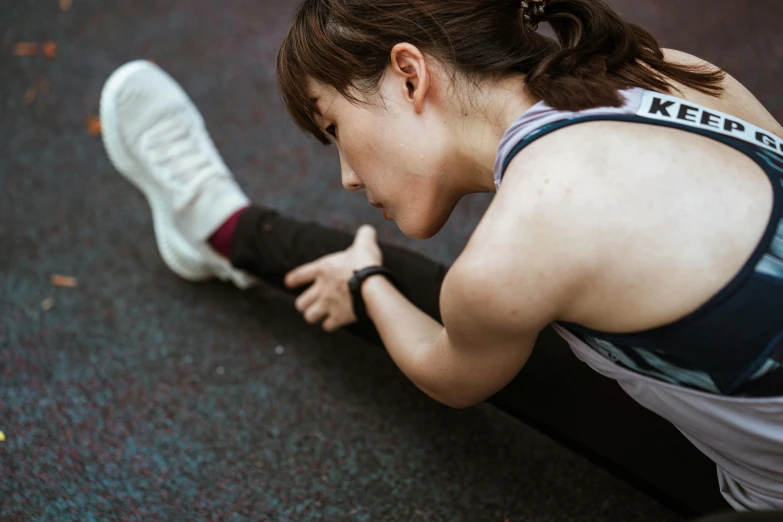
(637, 209)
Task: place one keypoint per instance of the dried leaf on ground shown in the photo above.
(26, 49)
(29, 95)
(49, 49)
(93, 125)
(65, 4)
(43, 86)
(63, 280)
(47, 304)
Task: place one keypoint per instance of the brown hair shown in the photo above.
(347, 44)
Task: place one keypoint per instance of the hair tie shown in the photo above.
(533, 12)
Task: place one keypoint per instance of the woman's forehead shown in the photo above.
(321, 96)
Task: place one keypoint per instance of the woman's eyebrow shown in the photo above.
(315, 101)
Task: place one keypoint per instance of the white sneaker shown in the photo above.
(155, 137)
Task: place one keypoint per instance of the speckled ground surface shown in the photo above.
(138, 396)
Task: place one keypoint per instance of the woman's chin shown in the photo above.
(420, 230)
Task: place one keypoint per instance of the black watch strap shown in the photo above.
(355, 285)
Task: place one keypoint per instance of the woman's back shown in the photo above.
(675, 213)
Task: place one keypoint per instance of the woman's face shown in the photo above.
(399, 150)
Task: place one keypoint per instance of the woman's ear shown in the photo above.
(411, 69)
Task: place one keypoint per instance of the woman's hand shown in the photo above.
(328, 300)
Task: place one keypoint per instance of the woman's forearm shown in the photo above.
(407, 333)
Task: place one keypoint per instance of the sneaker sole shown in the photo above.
(178, 255)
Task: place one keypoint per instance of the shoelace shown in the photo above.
(182, 152)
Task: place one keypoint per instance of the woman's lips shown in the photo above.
(381, 207)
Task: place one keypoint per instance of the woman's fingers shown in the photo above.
(331, 324)
(307, 298)
(315, 313)
(302, 275)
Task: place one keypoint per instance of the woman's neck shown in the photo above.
(481, 124)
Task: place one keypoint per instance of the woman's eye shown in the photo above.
(332, 130)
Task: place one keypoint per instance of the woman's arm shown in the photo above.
(492, 308)
(406, 331)
(490, 329)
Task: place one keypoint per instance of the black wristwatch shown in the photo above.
(355, 285)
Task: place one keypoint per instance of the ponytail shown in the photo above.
(600, 54)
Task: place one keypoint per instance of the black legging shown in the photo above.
(555, 392)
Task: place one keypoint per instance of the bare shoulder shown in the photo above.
(546, 191)
(736, 98)
(531, 253)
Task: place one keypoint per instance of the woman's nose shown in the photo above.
(350, 180)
